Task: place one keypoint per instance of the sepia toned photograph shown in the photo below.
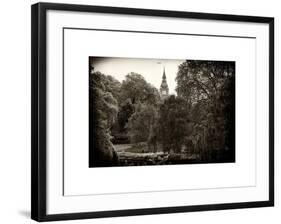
(144, 111)
(160, 111)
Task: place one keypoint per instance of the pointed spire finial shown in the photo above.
(164, 74)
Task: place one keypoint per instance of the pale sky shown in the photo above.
(150, 69)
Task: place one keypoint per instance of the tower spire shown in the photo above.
(164, 89)
(164, 73)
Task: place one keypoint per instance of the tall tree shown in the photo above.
(139, 125)
(112, 85)
(136, 88)
(126, 109)
(103, 109)
(173, 124)
(198, 79)
(209, 90)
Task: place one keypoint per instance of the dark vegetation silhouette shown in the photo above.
(130, 124)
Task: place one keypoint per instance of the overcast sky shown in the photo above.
(150, 69)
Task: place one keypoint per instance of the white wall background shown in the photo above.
(15, 110)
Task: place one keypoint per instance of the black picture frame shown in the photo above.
(39, 121)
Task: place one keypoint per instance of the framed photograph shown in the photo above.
(140, 111)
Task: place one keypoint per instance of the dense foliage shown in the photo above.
(199, 121)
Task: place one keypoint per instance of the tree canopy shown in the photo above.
(199, 120)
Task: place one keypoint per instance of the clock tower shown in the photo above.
(164, 89)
